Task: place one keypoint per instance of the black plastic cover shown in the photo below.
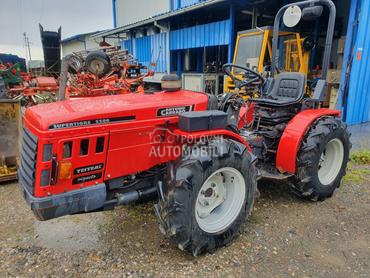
(202, 120)
(76, 201)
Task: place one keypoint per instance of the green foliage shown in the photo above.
(361, 157)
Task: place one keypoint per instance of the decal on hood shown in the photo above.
(87, 178)
(87, 169)
(91, 122)
(173, 111)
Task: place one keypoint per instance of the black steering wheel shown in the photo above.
(250, 75)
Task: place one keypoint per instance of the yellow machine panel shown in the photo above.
(9, 148)
(253, 49)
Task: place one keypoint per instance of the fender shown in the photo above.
(293, 135)
(215, 132)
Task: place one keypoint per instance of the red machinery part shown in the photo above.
(90, 85)
(43, 81)
(293, 135)
(246, 115)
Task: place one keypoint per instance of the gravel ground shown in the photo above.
(285, 237)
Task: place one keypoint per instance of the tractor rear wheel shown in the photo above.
(207, 196)
(98, 62)
(322, 159)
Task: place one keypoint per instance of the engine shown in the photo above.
(266, 129)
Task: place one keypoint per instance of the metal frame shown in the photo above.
(329, 34)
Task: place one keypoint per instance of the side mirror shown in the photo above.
(292, 16)
(311, 13)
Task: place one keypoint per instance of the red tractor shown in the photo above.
(198, 153)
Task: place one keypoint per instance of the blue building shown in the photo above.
(197, 36)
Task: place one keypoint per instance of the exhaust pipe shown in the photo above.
(131, 197)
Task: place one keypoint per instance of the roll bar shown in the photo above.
(329, 34)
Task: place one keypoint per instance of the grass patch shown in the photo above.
(352, 177)
(356, 175)
(361, 157)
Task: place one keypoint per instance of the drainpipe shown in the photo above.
(230, 53)
(114, 14)
(167, 30)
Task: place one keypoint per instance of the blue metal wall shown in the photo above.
(143, 50)
(179, 4)
(127, 44)
(357, 108)
(159, 48)
(215, 33)
(149, 49)
(153, 48)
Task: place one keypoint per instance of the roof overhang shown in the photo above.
(79, 37)
(123, 29)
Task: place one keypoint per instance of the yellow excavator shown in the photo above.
(253, 49)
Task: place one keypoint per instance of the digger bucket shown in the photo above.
(10, 121)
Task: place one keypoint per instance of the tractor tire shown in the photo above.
(74, 63)
(98, 62)
(225, 174)
(322, 159)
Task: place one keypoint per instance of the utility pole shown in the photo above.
(27, 45)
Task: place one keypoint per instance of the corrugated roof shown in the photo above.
(79, 36)
(156, 18)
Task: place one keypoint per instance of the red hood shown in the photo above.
(142, 106)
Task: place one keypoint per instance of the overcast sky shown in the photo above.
(74, 16)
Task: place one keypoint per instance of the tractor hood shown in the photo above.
(109, 109)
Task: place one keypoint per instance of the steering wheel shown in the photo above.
(251, 76)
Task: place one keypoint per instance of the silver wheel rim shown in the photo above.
(97, 66)
(220, 200)
(331, 161)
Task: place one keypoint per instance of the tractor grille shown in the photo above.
(26, 173)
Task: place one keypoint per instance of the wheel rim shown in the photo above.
(331, 161)
(96, 66)
(220, 200)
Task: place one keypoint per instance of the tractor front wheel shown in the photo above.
(207, 196)
(322, 159)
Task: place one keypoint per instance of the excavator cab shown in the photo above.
(253, 49)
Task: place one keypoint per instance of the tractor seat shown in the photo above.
(287, 89)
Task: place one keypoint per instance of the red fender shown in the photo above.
(293, 135)
(210, 133)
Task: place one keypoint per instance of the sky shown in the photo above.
(74, 16)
